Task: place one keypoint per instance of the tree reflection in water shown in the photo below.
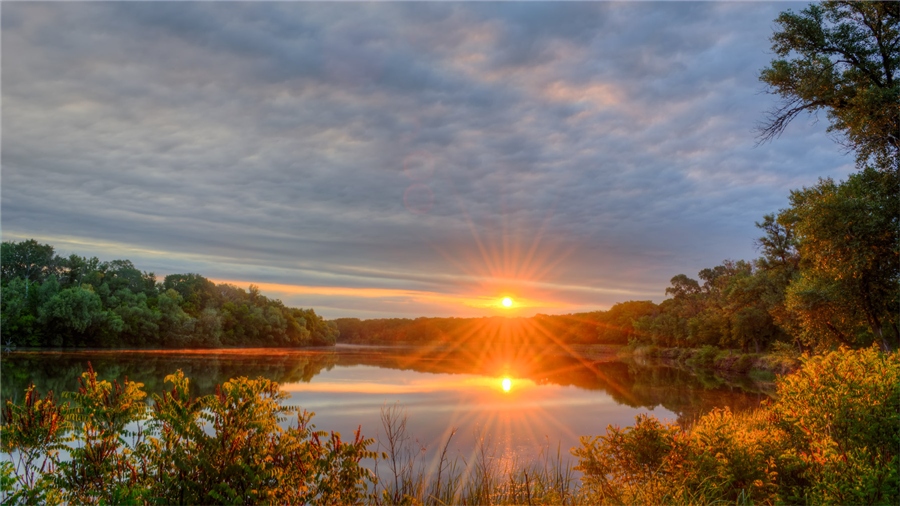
(687, 394)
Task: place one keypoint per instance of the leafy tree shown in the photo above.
(18, 314)
(175, 325)
(195, 290)
(321, 332)
(849, 243)
(28, 260)
(75, 316)
(664, 328)
(842, 57)
(122, 274)
(683, 287)
(140, 321)
(209, 329)
(617, 324)
(77, 271)
(779, 246)
(749, 308)
(779, 265)
(78, 301)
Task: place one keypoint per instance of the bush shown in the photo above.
(704, 357)
(725, 457)
(842, 413)
(832, 436)
(222, 448)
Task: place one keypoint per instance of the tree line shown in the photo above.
(829, 276)
(614, 326)
(52, 301)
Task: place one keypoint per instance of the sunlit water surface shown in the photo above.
(514, 407)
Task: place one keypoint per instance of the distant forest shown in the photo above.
(610, 327)
(50, 301)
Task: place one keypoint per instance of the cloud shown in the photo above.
(597, 147)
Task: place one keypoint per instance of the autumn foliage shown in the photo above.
(107, 447)
(831, 436)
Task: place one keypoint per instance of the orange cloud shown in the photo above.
(490, 299)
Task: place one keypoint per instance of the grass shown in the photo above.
(485, 480)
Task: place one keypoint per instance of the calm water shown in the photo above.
(519, 403)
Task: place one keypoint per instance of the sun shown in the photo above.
(507, 302)
(506, 384)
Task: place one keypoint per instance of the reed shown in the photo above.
(404, 479)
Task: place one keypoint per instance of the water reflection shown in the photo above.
(59, 371)
(495, 373)
(688, 395)
(519, 402)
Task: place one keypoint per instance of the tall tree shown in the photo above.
(849, 243)
(28, 260)
(842, 57)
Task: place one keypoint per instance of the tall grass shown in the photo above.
(488, 479)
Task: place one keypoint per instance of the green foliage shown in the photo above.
(228, 447)
(719, 461)
(18, 315)
(832, 436)
(77, 302)
(730, 309)
(248, 452)
(848, 234)
(830, 276)
(617, 326)
(28, 260)
(704, 357)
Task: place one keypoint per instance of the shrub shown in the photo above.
(842, 413)
(627, 465)
(832, 436)
(33, 434)
(222, 448)
(704, 357)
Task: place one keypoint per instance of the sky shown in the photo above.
(401, 159)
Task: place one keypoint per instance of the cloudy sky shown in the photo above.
(400, 159)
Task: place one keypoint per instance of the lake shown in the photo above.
(517, 404)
